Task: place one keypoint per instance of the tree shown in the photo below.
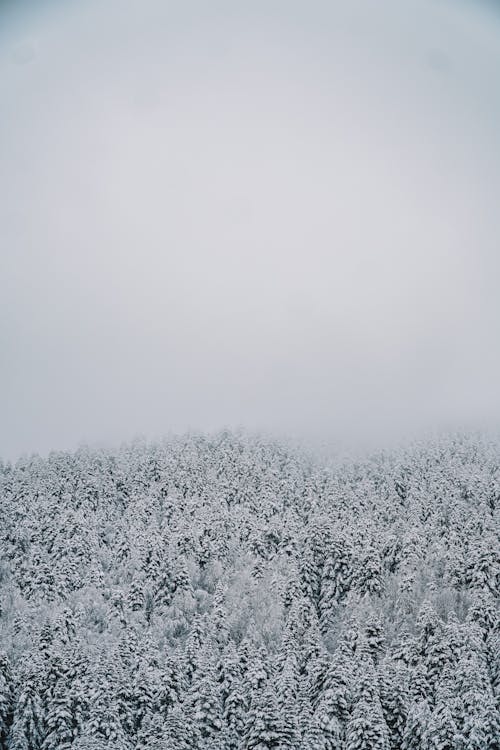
(335, 698)
(179, 733)
(336, 578)
(375, 636)
(193, 648)
(103, 721)
(369, 572)
(60, 722)
(287, 690)
(204, 700)
(6, 696)
(475, 714)
(263, 726)
(151, 735)
(233, 695)
(170, 687)
(442, 730)
(394, 699)
(366, 729)
(28, 725)
(314, 739)
(417, 728)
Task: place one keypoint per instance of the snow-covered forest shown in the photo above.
(232, 592)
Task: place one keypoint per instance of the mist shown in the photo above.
(276, 215)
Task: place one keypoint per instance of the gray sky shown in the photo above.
(274, 214)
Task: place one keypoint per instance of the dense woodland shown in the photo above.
(233, 592)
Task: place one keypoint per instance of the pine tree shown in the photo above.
(336, 578)
(205, 701)
(303, 706)
(483, 612)
(178, 734)
(233, 696)
(417, 728)
(28, 725)
(193, 648)
(368, 574)
(375, 636)
(144, 691)
(164, 586)
(419, 685)
(135, 598)
(313, 657)
(442, 730)
(257, 670)
(228, 668)
(292, 589)
(315, 739)
(394, 699)
(6, 696)
(170, 686)
(150, 736)
(429, 626)
(103, 722)
(65, 626)
(61, 724)
(288, 680)
(335, 696)
(493, 659)
(235, 707)
(475, 714)
(263, 726)
(366, 729)
(219, 615)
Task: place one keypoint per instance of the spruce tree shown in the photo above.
(442, 730)
(178, 730)
(263, 729)
(366, 729)
(417, 728)
(28, 725)
(394, 699)
(6, 696)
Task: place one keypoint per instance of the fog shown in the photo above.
(278, 215)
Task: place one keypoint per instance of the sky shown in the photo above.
(279, 215)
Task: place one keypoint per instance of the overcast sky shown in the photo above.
(274, 214)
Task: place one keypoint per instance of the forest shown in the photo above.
(232, 591)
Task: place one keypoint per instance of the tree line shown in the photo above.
(234, 592)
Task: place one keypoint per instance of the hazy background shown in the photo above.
(274, 214)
